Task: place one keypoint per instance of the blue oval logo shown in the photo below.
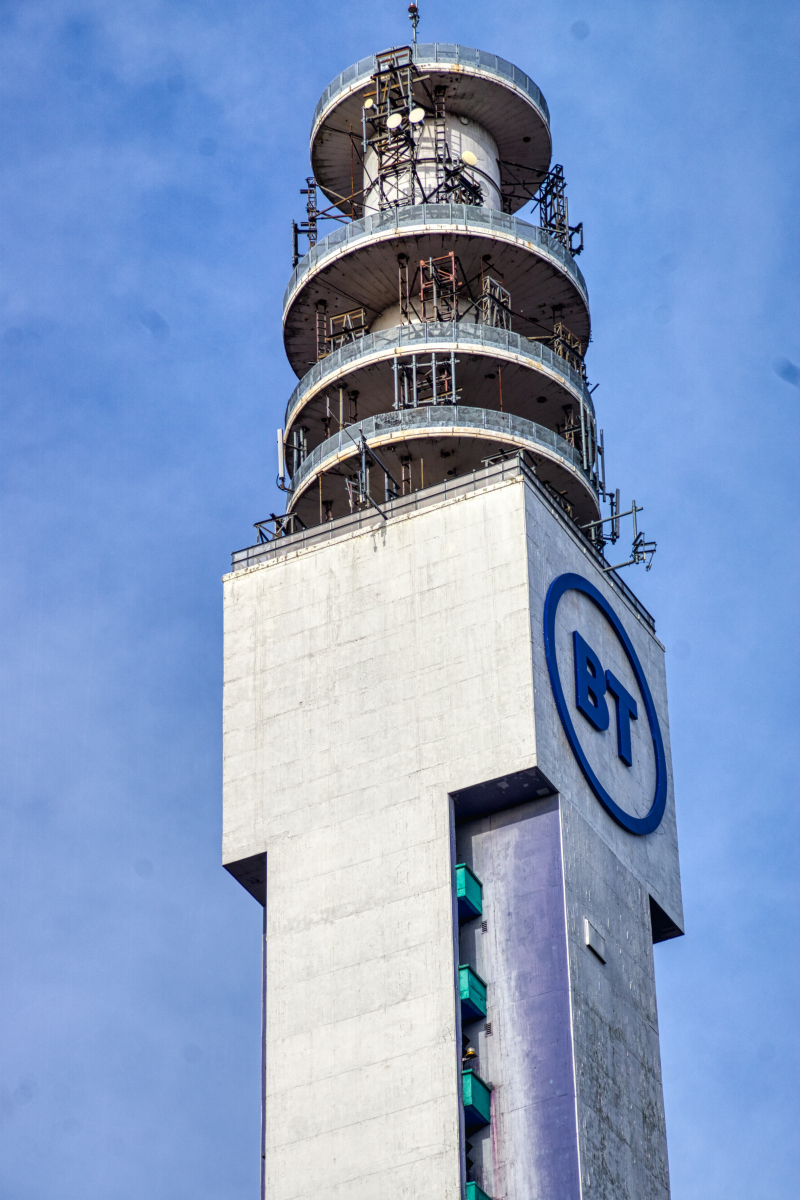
(592, 685)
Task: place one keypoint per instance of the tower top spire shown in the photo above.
(413, 16)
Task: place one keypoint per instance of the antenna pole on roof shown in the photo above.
(413, 16)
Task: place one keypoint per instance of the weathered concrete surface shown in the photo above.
(615, 1027)
(652, 859)
(608, 876)
(523, 957)
(365, 680)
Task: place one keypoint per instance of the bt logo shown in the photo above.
(593, 686)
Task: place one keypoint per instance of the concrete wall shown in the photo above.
(366, 679)
(615, 1025)
(609, 875)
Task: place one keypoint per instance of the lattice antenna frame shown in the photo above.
(387, 130)
(551, 200)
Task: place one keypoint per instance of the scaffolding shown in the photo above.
(333, 332)
(387, 128)
(494, 305)
(425, 380)
(403, 296)
(445, 293)
(393, 120)
(321, 328)
(439, 288)
(396, 182)
(455, 183)
(569, 347)
(345, 327)
(394, 78)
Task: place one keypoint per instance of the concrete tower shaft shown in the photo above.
(447, 771)
(433, 324)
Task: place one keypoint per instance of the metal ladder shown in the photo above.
(440, 147)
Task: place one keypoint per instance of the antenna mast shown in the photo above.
(413, 16)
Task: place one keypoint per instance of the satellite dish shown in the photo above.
(368, 103)
(395, 120)
(469, 159)
(416, 115)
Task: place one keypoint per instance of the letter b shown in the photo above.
(590, 684)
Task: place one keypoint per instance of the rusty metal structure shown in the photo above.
(551, 200)
(433, 327)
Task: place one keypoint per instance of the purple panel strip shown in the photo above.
(523, 958)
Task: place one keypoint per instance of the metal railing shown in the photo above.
(428, 53)
(463, 216)
(367, 517)
(413, 337)
(510, 467)
(443, 416)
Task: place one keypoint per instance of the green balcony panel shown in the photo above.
(472, 990)
(477, 1098)
(469, 893)
(476, 1193)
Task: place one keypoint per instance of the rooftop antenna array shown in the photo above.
(551, 200)
(413, 16)
(489, 345)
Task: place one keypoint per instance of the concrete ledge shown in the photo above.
(508, 791)
(419, 219)
(251, 873)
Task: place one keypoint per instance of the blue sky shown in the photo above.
(151, 154)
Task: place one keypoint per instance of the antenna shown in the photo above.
(642, 551)
(281, 480)
(413, 16)
(281, 459)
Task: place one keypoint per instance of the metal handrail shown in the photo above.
(416, 336)
(465, 216)
(481, 477)
(437, 52)
(363, 518)
(443, 416)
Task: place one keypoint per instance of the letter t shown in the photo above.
(626, 712)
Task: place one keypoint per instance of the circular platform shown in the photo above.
(481, 86)
(494, 368)
(357, 266)
(430, 444)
